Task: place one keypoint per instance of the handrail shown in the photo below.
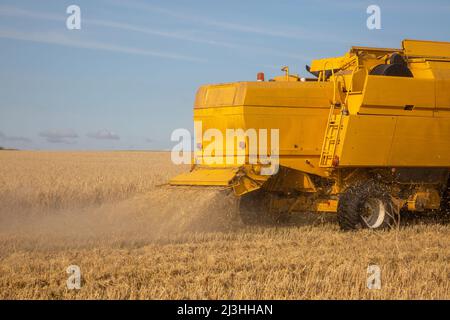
(334, 80)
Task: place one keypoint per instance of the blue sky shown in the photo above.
(129, 76)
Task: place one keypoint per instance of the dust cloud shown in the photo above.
(151, 217)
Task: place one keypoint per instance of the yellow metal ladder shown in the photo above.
(334, 125)
(331, 139)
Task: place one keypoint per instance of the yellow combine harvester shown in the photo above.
(367, 137)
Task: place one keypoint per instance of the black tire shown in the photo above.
(392, 70)
(366, 206)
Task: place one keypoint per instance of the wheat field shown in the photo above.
(133, 237)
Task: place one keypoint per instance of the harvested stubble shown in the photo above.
(134, 239)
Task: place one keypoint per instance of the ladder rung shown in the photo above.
(331, 139)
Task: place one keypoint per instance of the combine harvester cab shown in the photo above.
(366, 138)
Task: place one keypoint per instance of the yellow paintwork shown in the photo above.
(421, 48)
(424, 199)
(298, 109)
(332, 63)
(207, 176)
(381, 131)
(326, 206)
(347, 114)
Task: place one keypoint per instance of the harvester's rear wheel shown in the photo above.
(366, 206)
(256, 208)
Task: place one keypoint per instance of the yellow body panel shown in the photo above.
(390, 95)
(435, 49)
(206, 176)
(271, 94)
(366, 140)
(441, 74)
(401, 121)
(395, 141)
(299, 110)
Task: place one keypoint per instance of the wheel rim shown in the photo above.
(374, 213)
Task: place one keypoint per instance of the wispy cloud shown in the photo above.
(287, 33)
(61, 39)
(413, 6)
(292, 31)
(19, 12)
(104, 134)
(7, 138)
(12, 11)
(66, 136)
(157, 32)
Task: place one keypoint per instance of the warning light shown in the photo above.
(260, 76)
